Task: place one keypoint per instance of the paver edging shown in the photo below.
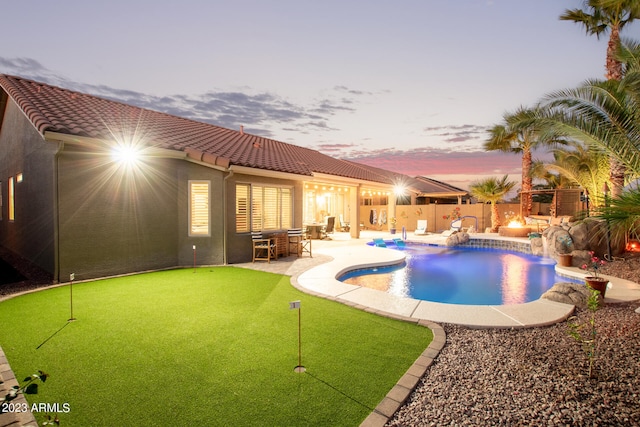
(393, 401)
(13, 419)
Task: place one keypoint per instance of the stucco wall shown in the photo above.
(113, 220)
(209, 249)
(23, 150)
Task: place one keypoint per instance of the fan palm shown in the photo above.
(622, 213)
(598, 113)
(584, 165)
(492, 190)
(597, 18)
(601, 16)
(519, 133)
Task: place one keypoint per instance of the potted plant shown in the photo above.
(594, 281)
(392, 221)
(565, 259)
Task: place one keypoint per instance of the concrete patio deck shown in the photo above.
(333, 257)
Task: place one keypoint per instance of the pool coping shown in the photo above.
(322, 280)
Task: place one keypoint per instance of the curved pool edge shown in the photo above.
(620, 290)
(322, 280)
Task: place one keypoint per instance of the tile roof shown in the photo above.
(54, 109)
(429, 186)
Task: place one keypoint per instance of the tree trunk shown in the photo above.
(614, 72)
(616, 176)
(526, 199)
(495, 218)
(614, 67)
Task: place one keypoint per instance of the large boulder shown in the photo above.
(568, 293)
(580, 233)
(537, 246)
(577, 239)
(457, 239)
(559, 241)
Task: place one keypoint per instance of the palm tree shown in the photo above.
(519, 133)
(584, 165)
(622, 213)
(606, 114)
(492, 190)
(597, 17)
(598, 113)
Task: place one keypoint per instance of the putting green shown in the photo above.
(214, 347)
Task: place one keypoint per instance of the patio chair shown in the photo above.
(331, 222)
(379, 243)
(421, 228)
(344, 226)
(263, 248)
(299, 241)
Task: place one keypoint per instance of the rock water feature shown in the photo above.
(575, 238)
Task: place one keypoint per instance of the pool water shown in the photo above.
(457, 275)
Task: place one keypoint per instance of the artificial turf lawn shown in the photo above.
(213, 347)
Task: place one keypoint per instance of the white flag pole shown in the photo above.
(295, 305)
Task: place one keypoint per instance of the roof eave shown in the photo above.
(245, 170)
(107, 145)
(348, 181)
(443, 194)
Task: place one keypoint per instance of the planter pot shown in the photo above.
(565, 260)
(392, 231)
(597, 283)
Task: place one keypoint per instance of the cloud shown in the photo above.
(262, 113)
(458, 133)
(265, 113)
(334, 148)
(345, 89)
(438, 162)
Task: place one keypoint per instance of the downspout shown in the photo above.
(224, 217)
(56, 214)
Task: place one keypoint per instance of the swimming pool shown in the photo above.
(458, 275)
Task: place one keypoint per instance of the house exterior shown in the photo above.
(95, 188)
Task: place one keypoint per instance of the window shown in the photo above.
(242, 208)
(263, 208)
(199, 213)
(12, 210)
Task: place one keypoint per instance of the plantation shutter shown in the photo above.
(271, 212)
(270, 208)
(242, 208)
(286, 212)
(256, 208)
(199, 208)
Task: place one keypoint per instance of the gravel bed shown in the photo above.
(536, 376)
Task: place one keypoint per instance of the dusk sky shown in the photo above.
(410, 86)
